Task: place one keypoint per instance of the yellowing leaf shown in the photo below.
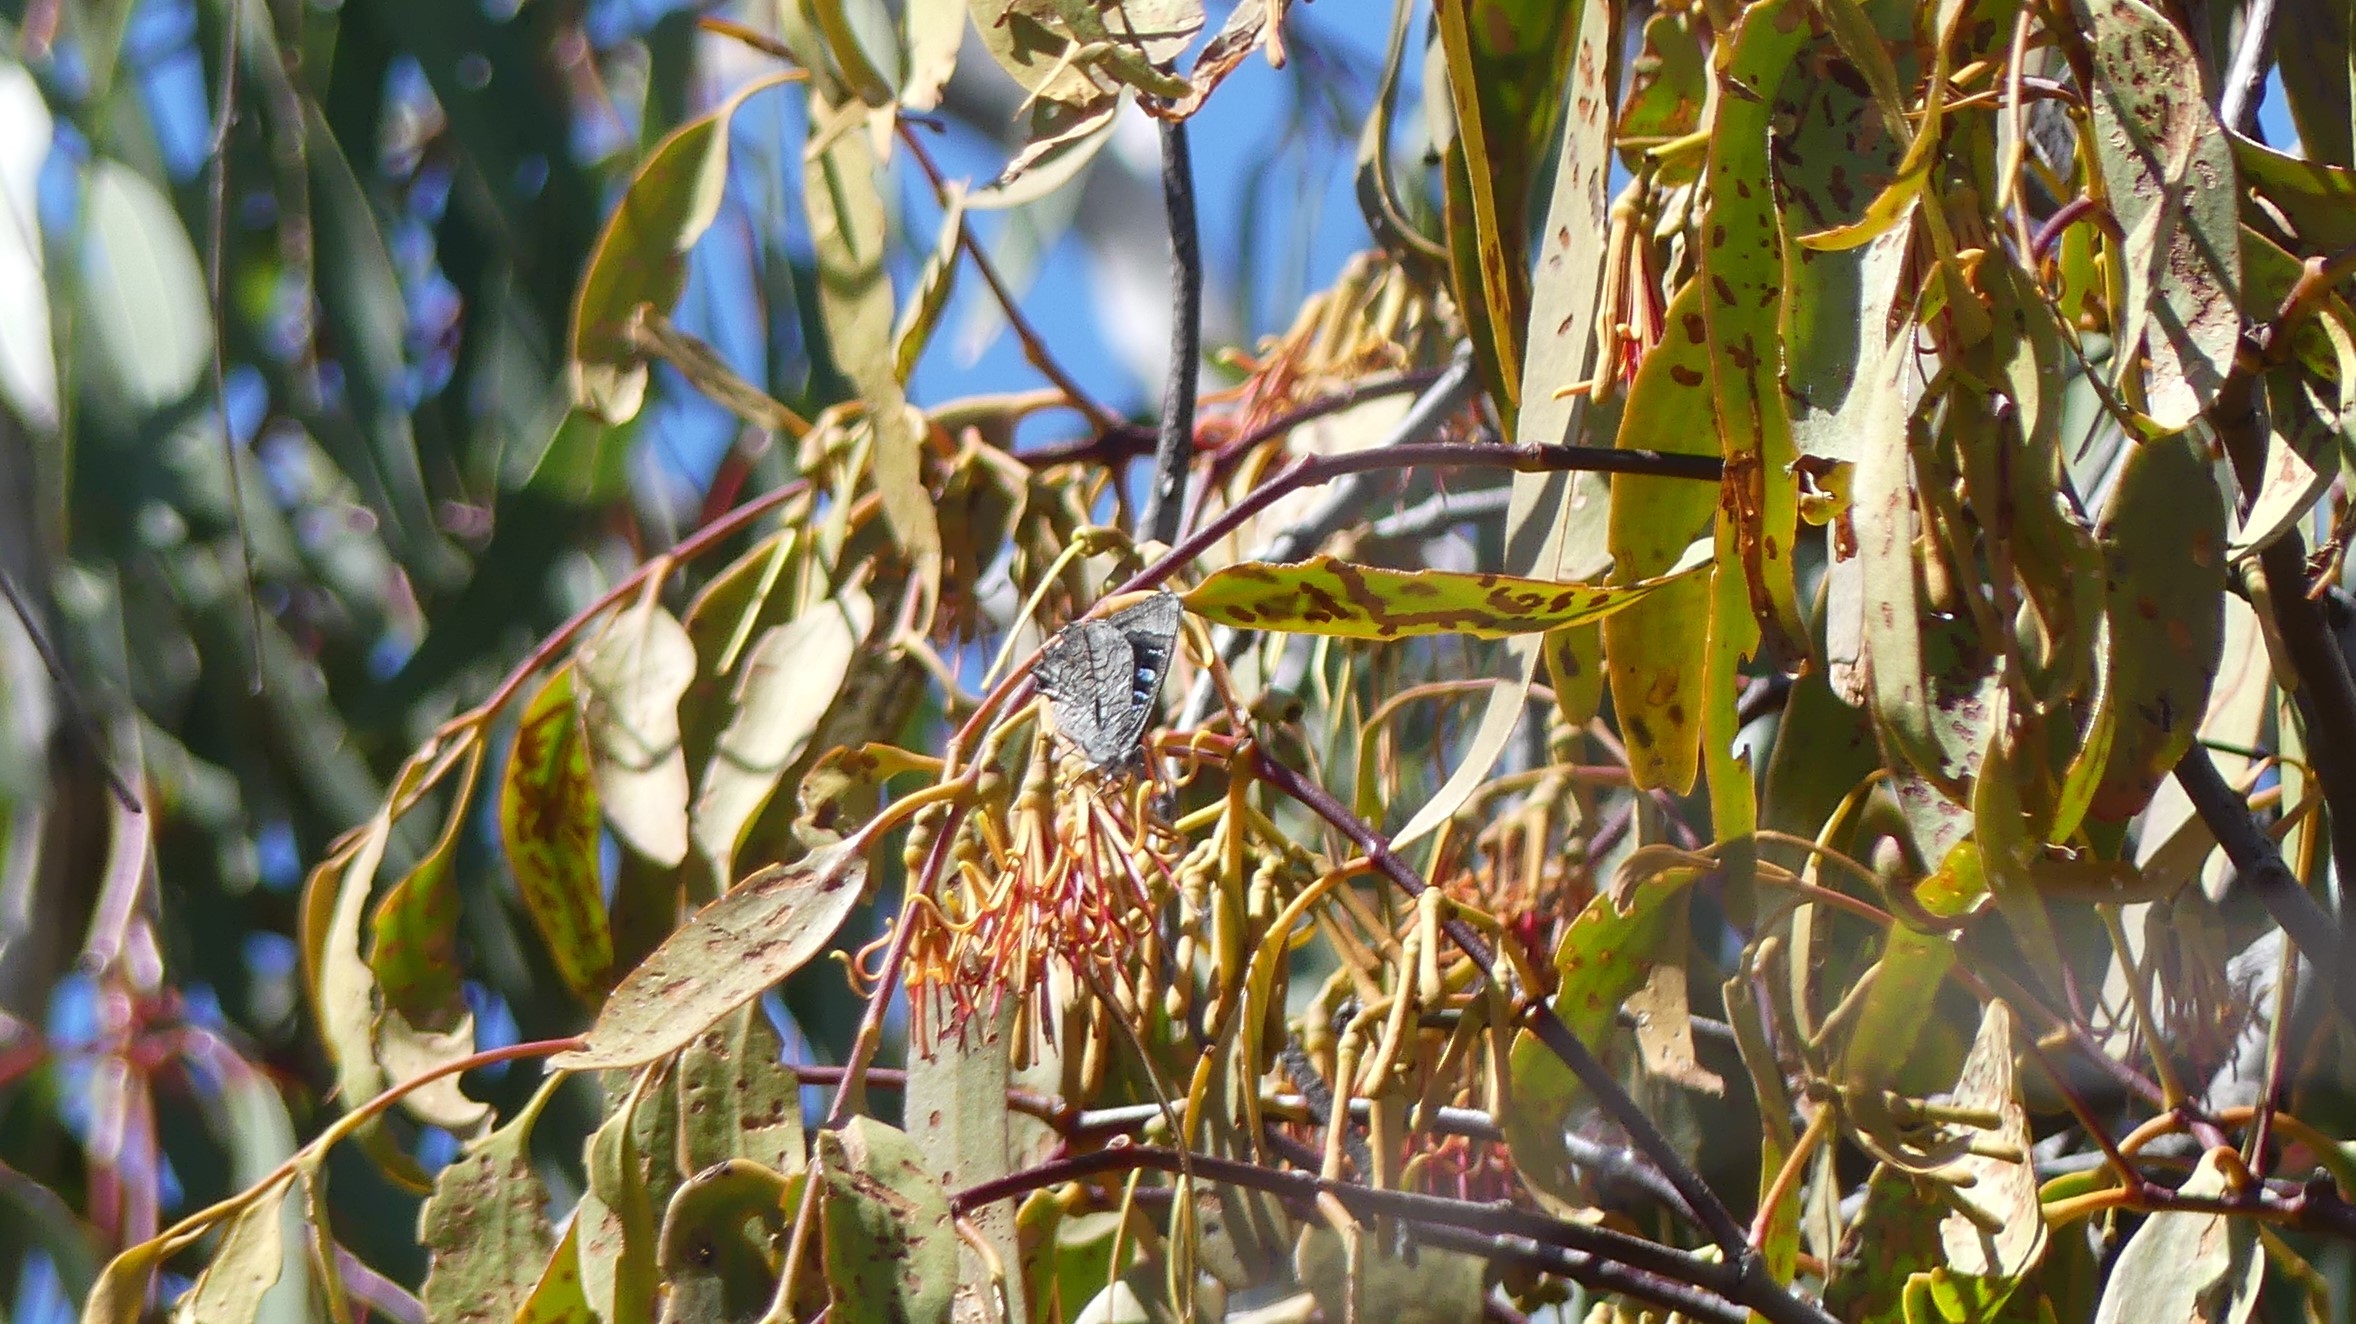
(632, 676)
(760, 932)
(848, 227)
(244, 1266)
(548, 821)
(1326, 595)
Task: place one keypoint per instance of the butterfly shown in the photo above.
(1103, 678)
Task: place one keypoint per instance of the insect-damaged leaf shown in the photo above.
(2168, 173)
(632, 676)
(1330, 596)
(548, 821)
(736, 1099)
(760, 932)
(641, 257)
(891, 1255)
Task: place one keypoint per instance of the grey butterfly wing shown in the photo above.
(1087, 673)
(1151, 629)
(1104, 677)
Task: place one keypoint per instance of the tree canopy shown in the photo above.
(1743, 714)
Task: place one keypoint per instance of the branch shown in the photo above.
(1165, 501)
(2268, 878)
(2245, 78)
(1662, 1274)
(1539, 1018)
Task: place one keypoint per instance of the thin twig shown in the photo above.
(1174, 447)
(1034, 348)
(216, 245)
(77, 711)
(1536, 1016)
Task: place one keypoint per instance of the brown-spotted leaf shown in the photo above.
(632, 676)
(548, 821)
(556, 1297)
(1742, 290)
(736, 1099)
(718, 1249)
(1650, 649)
(2163, 541)
(486, 1228)
(761, 931)
(414, 952)
(956, 1099)
(1330, 596)
(2168, 174)
(617, 1218)
(891, 1254)
(1667, 86)
(641, 256)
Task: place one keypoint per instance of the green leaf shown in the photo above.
(1602, 958)
(1330, 596)
(121, 1294)
(1667, 86)
(1649, 650)
(2168, 174)
(1742, 287)
(2163, 541)
(145, 321)
(935, 28)
(641, 256)
(414, 947)
(616, 1217)
(956, 1099)
(722, 1241)
(784, 686)
(891, 1255)
(486, 1227)
(28, 359)
(934, 284)
(244, 1266)
(632, 676)
(2317, 75)
(761, 931)
(556, 1297)
(736, 1099)
(548, 821)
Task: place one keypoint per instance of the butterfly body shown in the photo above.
(1103, 678)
